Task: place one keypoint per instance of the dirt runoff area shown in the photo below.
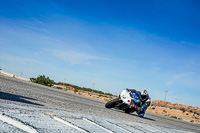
(176, 111)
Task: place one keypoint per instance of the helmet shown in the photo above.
(144, 95)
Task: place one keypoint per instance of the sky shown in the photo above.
(107, 45)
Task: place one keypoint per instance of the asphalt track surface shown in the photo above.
(30, 107)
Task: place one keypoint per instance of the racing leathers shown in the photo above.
(140, 103)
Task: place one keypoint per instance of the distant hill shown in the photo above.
(176, 106)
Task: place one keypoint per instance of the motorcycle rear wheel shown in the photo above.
(112, 103)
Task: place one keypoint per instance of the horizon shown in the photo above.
(106, 45)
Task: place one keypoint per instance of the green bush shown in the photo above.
(32, 79)
(100, 95)
(75, 90)
(59, 88)
(41, 79)
(91, 90)
(109, 94)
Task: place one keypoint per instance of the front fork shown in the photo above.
(121, 104)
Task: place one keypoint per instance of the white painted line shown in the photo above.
(109, 131)
(119, 127)
(69, 124)
(17, 124)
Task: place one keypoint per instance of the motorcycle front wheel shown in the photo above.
(112, 103)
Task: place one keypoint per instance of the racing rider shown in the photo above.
(144, 101)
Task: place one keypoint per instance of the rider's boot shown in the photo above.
(141, 114)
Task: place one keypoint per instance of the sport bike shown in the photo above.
(126, 101)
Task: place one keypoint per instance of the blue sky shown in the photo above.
(153, 45)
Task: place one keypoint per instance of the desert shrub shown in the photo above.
(191, 111)
(187, 114)
(153, 108)
(32, 79)
(183, 109)
(109, 94)
(96, 91)
(59, 88)
(91, 90)
(174, 117)
(106, 96)
(192, 121)
(75, 90)
(164, 111)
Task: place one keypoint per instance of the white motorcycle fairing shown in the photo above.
(125, 96)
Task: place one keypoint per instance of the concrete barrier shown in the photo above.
(13, 75)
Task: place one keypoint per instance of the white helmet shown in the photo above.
(144, 95)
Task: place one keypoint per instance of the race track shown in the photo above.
(29, 107)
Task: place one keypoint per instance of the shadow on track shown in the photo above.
(121, 111)
(17, 98)
(143, 117)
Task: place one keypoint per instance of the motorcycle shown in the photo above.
(126, 101)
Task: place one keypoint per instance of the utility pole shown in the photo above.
(165, 95)
(21, 74)
(64, 82)
(93, 86)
